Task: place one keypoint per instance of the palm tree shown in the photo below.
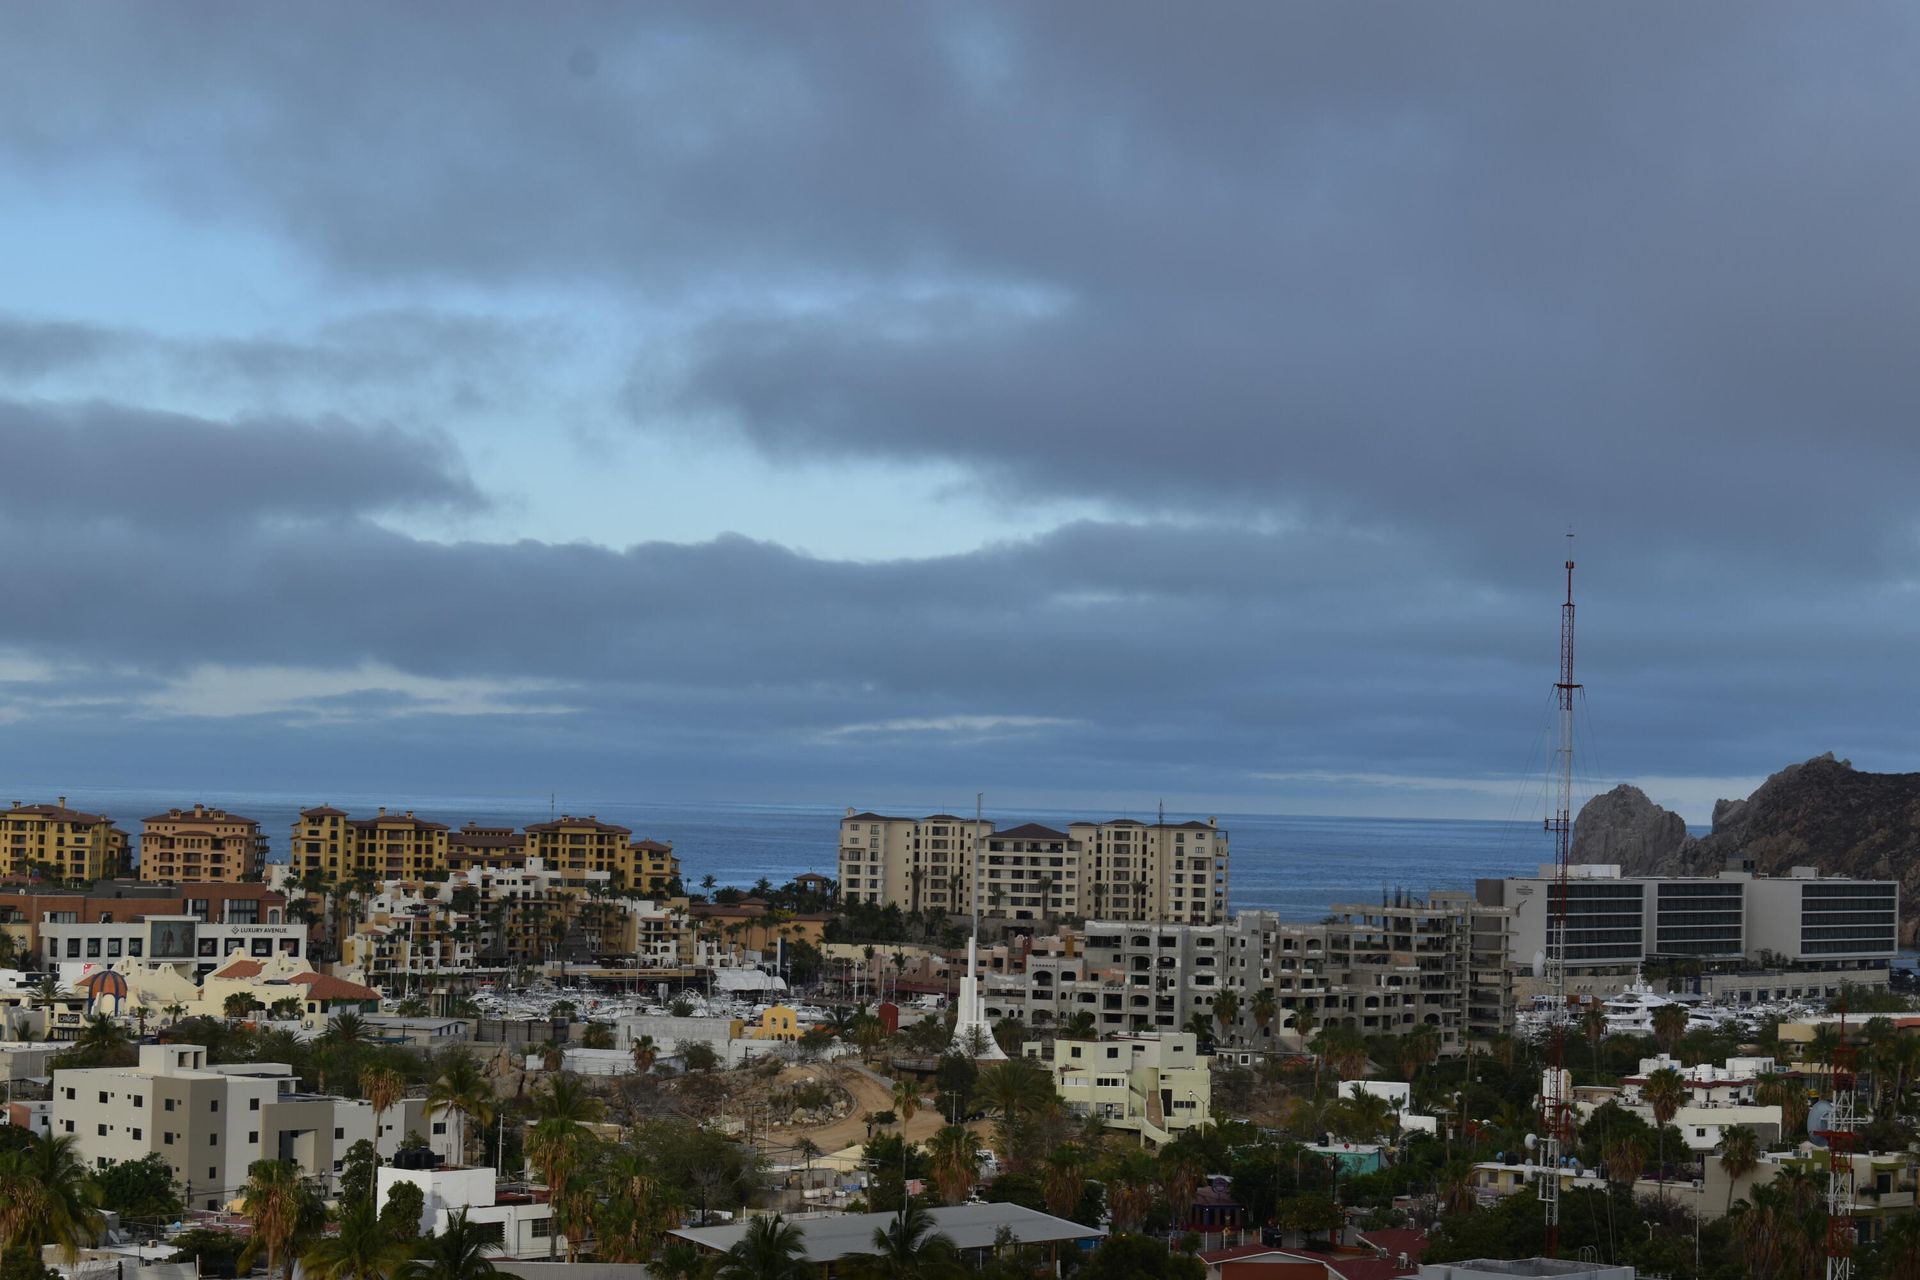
(1180, 1174)
(645, 1054)
(1664, 1091)
(1669, 1024)
(911, 1247)
(953, 1162)
(47, 1198)
(772, 1249)
(237, 1005)
(1624, 1157)
(1593, 1025)
(679, 1261)
(1080, 1025)
(562, 1113)
(1773, 1089)
(464, 1088)
(383, 1087)
(1226, 1008)
(553, 1055)
(457, 1253)
(1343, 1050)
(283, 1208)
(1132, 1183)
(362, 1249)
(346, 1028)
(1266, 1007)
(1066, 1179)
(1016, 1091)
(628, 1224)
(906, 1101)
(1739, 1156)
(1418, 1049)
(1900, 1249)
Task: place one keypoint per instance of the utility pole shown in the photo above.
(1554, 1112)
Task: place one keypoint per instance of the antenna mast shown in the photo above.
(1839, 1134)
(1554, 1117)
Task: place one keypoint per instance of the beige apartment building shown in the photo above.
(201, 845)
(402, 846)
(1119, 870)
(64, 843)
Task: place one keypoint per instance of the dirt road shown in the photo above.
(871, 1093)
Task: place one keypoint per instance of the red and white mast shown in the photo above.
(1839, 1134)
(1555, 1126)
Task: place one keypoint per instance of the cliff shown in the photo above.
(1822, 813)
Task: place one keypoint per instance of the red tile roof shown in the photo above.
(54, 813)
(653, 846)
(324, 986)
(589, 822)
(240, 967)
(323, 811)
(1029, 831)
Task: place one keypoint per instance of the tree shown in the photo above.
(1226, 1009)
(285, 1210)
(1132, 1257)
(361, 1249)
(359, 1173)
(383, 1086)
(140, 1188)
(679, 1261)
(562, 1113)
(906, 1100)
(1669, 1024)
(1664, 1091)
(911, 1247)
(772, 1249)
(463, 1087)
(1418, 1049)
(1017, 1091)
(1266, 1007)
(1739, 1156)
(1343, 1049)
(1900, 1249)
(1066, 1179)
(400, 1215)
(458, 1253)
(954, 1162)
(46, 1198)
(598, 1035)
(1079, 1025)
(1133, 1183)
(645, 1054)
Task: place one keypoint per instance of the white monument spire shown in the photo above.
(972, 1033)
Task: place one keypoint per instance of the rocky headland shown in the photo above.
(1822, 813)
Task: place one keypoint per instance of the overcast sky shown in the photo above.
(1087, 403)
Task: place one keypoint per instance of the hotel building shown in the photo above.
(1121, 870)
(64, 843)
(201, 844)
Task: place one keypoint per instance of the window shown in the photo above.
(339, 1132)
(137, 1135)
(166, 1139)
(214, 1106)
(139, 1100)
(439, 1128)
(103, 1095)
(253, 1137)
(213, 1139)
(253, 1104)
(136, 946)
(169, 1104)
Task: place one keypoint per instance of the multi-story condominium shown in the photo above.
(656, 872)
(578, 847)
(407, 933)
(335, 846)
(1381, 969)
(60, 842)
(1121, 869)
(201, 844)
(321, 844)
(1616, 923)
(489, 848)
(1155, 1085)
(210, 1122)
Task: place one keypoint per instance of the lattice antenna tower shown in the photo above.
(1840, 1135)
(1554, 1110)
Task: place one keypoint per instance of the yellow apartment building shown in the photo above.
(575, 847)
(66, 843)
(321, 842)
(201, 844)
(654, 868)
(474, 847)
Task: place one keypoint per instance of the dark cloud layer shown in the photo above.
(1338, 315)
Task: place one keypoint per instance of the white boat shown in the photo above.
(1630, 1012)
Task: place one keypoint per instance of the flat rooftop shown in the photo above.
(971, 1226)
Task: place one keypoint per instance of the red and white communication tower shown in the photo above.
(1555, 1113)
(1839, 1134)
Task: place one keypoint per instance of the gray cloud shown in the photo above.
(89, 470)
(1338, 317)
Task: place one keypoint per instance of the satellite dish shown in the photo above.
(1533, 1140)
(1539, 964)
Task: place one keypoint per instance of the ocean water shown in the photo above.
(1297, 866)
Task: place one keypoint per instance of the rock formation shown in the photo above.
(1821, 813)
